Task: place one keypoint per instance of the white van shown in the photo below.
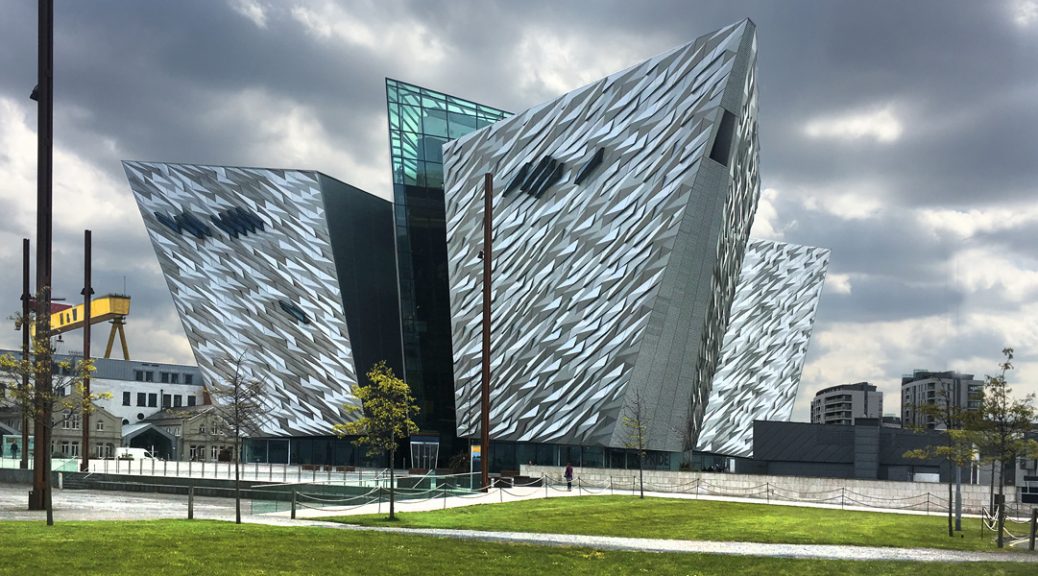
(133, 454)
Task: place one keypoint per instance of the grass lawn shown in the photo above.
(174, 547)
(698, 520)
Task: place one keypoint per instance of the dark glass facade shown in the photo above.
(506, 456)
(420, 122)
(362, 245)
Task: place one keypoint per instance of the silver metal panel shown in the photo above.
(227, 289)
(620, 285)
(765, 345)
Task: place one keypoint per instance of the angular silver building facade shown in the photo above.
(621, 214)
(281, 266)
(765, 345)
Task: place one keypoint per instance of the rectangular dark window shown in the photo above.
(722, 150)
(138, 375)
(164, 377)
(153, 400)
(149, 376)
(178, 401)
(188, 378)
(190, 400)
(166, 399)
(141, 398)
(174, 378)
(126, 398)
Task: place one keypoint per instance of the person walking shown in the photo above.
(569, 476)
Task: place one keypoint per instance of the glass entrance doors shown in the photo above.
(425, 452)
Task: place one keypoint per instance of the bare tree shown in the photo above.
(954, 447)
(36, 385)
(1002, 428)
(238, 401)
(636, 435)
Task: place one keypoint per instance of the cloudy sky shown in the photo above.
(901, 135)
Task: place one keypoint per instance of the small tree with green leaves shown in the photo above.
(636, 435)
(384, 418)
(1002, 428)
(954, 447)
(64, 389)
(239, 404)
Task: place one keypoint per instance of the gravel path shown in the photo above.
(817, 551)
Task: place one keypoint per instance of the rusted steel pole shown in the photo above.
(26, 353)
(488, 228)
(88, 293)
(40, 496)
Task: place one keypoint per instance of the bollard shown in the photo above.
(299, 473)
(178, 468)
(284, 474)
(544, 479)
(191, 503)
(164, 464)
(843, 497)
(61, 481)
(293, 504)
(203, 468)
(1034, 528)
(152, 467)
(140, 468)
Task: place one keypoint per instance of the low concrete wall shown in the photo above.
(871, 493)
(15, 476)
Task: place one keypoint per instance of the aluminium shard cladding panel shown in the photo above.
(617, 288)
(232, 293)
(765, 345)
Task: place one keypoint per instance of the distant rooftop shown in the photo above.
(920, 374)
(860, 386)
(133, 370)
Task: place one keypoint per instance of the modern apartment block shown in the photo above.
(962, 391)
(845, 403)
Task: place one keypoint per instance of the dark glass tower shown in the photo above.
(420, 122)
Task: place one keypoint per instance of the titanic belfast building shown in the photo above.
(623, 272)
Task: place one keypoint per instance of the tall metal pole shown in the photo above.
(488, 219)
(88, 293)
(26, 353)
(40, 496)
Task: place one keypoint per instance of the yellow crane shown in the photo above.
(110, 307)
